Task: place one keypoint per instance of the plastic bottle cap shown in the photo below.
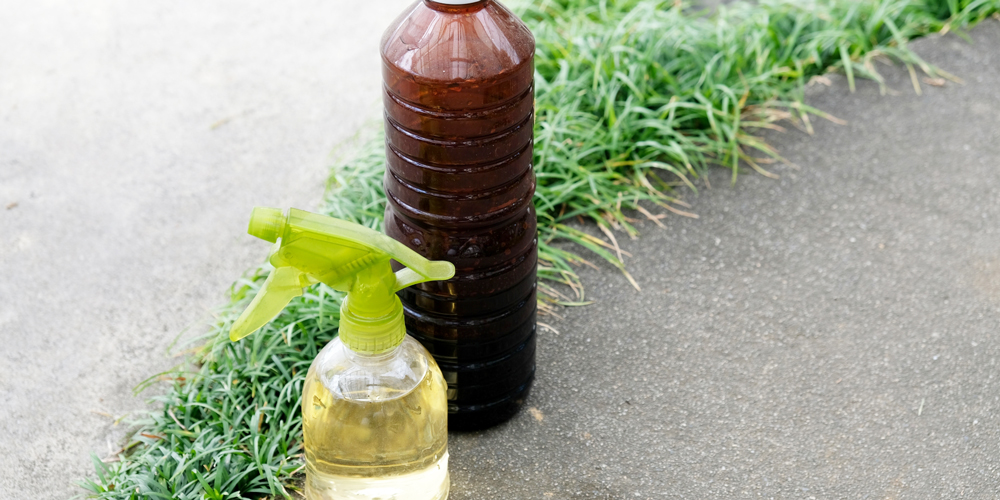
(455, 2)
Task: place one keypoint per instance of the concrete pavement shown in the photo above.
(832, 334)
(135, 137)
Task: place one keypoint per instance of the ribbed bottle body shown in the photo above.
(459, 98)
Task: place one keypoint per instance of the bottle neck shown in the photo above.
(371, 359)
(456, 6)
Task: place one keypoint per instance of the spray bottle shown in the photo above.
(374, 403)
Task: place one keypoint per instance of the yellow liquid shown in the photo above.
(376, 443)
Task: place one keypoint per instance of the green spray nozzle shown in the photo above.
(347, 257)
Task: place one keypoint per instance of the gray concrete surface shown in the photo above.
(135, 137)
(831, 334)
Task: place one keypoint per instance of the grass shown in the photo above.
(636, 101)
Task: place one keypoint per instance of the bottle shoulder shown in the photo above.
(457, 44)
(348, 375)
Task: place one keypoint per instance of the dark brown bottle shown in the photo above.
(459, 109)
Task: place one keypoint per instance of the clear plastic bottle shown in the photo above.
(375, 425)
(459, 101)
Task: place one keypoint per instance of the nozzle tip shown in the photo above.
(266, 223)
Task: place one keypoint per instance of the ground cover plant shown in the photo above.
(636, 100)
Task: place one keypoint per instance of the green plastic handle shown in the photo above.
(281, 286)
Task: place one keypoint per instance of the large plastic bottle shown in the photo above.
(459, 101)
(374, 407)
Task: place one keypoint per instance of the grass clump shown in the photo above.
(232, 428)
(634, 99)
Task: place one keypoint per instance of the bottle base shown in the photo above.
(431, 483)
(474, 417)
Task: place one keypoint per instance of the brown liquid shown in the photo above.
(459, 100)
